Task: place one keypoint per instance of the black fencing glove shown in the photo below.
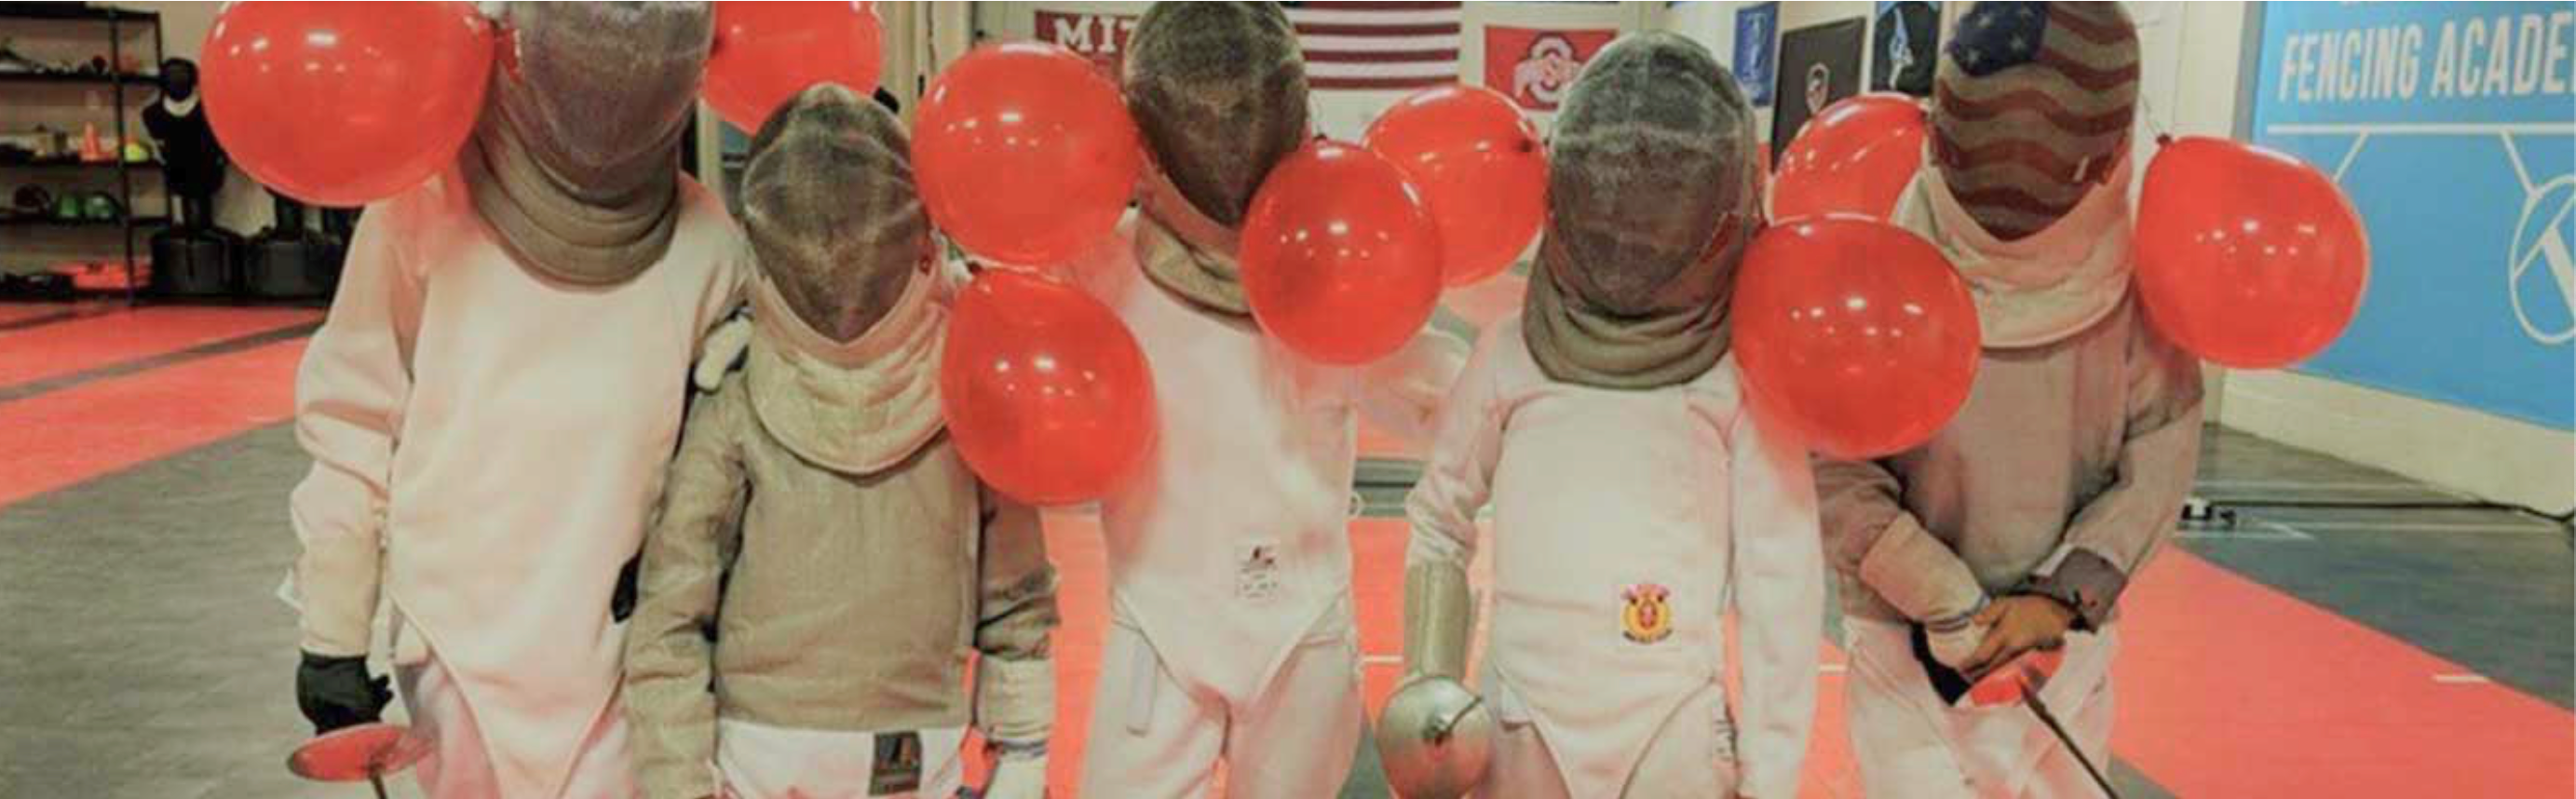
(621, 600)
(335, 692)
(1946, 682)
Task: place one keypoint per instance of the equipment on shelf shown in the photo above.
(88, 154)
(11, 63)
(99, 206)
(31, 200)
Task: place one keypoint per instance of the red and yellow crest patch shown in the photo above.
(1648, 617)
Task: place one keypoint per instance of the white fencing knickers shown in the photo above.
(1692, 754)
(458, 765)
(1910, 744)
(1153, 736)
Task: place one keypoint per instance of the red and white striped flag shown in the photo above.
(1378, 46)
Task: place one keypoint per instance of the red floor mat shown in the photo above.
(2229, 688)
(80, 345)
(65, 437)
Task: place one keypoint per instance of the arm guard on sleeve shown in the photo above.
(1439, 616)
(1920, 575)
(1015, 704)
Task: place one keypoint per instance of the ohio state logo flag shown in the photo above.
(1536, 65)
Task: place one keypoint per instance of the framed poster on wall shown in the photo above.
(1906, 42)
(1818, 65)
(1755, 55)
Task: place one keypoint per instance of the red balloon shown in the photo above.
(767, 52)
(2247, 256)
(1340, 261)
(1855, 332)
(1025, 154)
(341, 104)
(1481, 171)
(1854, 157)
(1045, 391)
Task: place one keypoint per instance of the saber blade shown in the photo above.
(2030, 699)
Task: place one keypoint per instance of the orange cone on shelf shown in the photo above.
(91, 150)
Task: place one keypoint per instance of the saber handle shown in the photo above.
(2030, 699)
(376, 781)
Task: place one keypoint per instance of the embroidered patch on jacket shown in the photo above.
(897, 769)
(1256, 571)
(1648, 618)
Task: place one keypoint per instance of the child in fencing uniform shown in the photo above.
(1638, 493)
(824, 563)
(1229, 553)
(502, 373)
(2017, 526)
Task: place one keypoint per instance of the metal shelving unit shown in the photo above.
(77, 77)
(118, 22)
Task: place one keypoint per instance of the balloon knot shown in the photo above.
(2163, 139)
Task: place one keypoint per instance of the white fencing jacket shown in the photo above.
(487, 444)
(2081, 442)
(1232, 540)
(1626, 524)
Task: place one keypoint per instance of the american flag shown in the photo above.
(1378, 46)
(2050, 87)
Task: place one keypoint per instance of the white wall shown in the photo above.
(1712, 24)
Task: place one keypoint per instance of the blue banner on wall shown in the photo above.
(2453, 128)
(1757, 51)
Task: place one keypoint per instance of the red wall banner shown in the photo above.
(1536, 65)
(1099, 37)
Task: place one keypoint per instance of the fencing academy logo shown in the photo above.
(1648, 618)
(2541, 270)
(2540, 261)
